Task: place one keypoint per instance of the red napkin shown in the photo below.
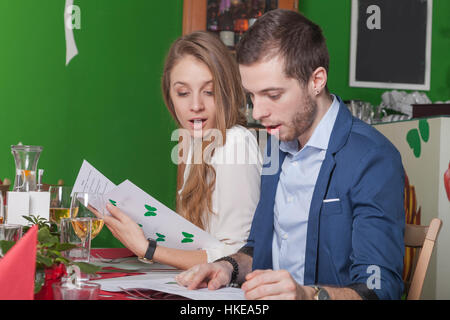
(18, 267)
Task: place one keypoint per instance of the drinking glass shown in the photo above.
(59, 203)
(82, 291)
(10, 232)
(82, 210)
(82, 240)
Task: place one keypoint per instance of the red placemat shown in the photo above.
(112, 253)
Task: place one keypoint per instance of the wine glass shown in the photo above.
(59, 203)
(86, 212)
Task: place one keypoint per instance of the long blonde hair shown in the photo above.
(195, 201)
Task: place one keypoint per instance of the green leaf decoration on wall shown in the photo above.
(414, 138)
(161, 237)
(424, 129)
(187, 237)
(151, 211)
(114, 203)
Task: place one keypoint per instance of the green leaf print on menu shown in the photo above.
(151, 211)
(187, 237)
(161, 237)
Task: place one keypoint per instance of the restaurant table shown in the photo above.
(114, 253)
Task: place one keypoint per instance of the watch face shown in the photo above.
(323, 294)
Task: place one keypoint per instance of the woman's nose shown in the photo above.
(197, 104)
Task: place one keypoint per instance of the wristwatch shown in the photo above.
(148, 256)
(321, 293)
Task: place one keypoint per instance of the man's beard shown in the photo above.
(303, 119)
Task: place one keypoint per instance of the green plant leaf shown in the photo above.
(48, 262)
(65, 246)
(87, 267)
(44, 235)
(6, 245)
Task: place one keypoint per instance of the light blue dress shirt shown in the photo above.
(295, 189)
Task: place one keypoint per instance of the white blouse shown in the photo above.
(235, 197)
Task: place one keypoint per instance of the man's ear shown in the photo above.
(318, 81)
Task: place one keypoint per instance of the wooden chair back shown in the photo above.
(423, 238)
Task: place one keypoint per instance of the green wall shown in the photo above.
(105, 106)
(334, 16)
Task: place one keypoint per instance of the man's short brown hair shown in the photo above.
(298, 40)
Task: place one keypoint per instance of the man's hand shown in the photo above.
(274, 285)
(209, 275)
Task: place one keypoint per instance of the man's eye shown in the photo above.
(274, 96)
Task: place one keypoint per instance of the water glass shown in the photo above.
(10, 232)
(77, 232)
(81, 291)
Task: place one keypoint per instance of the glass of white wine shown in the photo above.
(84, 219)
(59, 203)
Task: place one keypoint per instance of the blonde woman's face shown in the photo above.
(192, 94)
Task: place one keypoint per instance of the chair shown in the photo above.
(423, 238)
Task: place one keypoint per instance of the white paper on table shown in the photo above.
(159, 222)
(91, 180)
(169, 285)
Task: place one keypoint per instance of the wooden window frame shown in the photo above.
(194, 13)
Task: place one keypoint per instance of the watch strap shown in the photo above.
(150, 249)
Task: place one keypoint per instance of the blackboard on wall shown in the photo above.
(391, 44)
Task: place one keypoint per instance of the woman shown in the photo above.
(202, 90)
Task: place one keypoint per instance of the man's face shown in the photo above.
(281, 104)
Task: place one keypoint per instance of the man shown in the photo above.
(330, 223)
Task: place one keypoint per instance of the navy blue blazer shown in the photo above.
(358, 239)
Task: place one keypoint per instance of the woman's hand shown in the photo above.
(126, 230)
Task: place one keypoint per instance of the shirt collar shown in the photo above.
(321, 135)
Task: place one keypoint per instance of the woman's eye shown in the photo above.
(209, 93)
(182, 94)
